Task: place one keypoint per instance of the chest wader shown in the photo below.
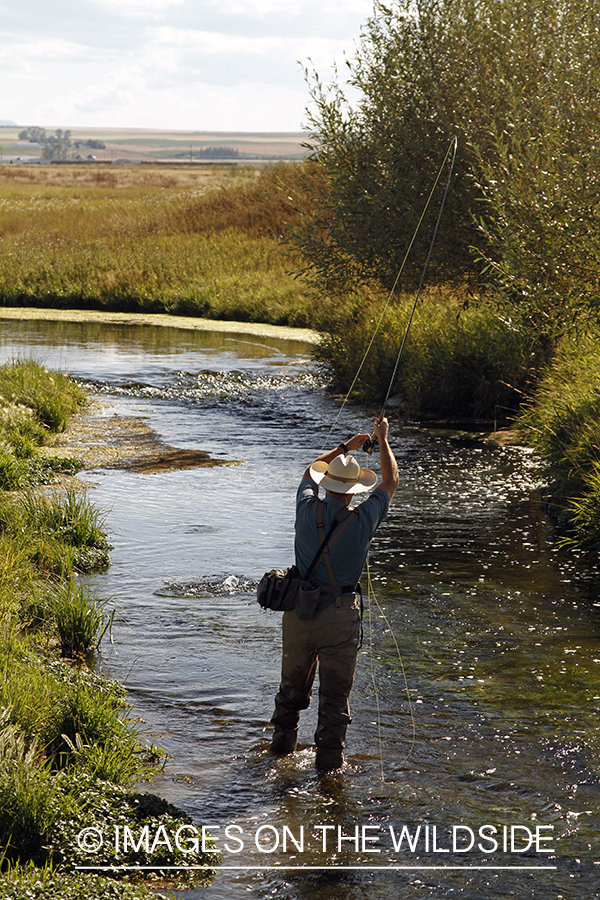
(329, 638)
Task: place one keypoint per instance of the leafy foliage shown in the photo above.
(471, 365)
(517, 83)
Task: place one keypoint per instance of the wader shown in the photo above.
(330, 639)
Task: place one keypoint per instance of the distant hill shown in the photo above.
(8, 123)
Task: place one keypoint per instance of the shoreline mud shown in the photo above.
(102, 439)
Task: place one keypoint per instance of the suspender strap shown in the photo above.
(342, 519)
(345, 514)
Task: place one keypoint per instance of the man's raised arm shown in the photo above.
(389, 466)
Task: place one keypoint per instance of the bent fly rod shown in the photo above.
(370, 444)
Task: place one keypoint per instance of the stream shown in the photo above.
(473, 758)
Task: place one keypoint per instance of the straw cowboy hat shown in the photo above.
(343, 475)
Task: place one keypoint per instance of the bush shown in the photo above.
(516, 83)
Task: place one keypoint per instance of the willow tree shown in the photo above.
(518, 82)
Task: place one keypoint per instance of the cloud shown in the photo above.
(144, 63)
(263, 8)
(28, 55)
(137, 7)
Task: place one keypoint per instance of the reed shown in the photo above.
(60, 534)
(80, 619)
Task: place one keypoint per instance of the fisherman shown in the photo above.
(331, 637)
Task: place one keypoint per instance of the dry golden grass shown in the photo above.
(113, 176)
(194, 241)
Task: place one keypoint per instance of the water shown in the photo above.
(490, 631)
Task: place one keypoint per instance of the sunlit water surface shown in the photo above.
(491, 633)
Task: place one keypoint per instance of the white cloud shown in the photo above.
(137, 7)
(27, 53)
(199, 64)
(263, 8)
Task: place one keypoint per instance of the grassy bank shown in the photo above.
(456, 363)
(142, 240)
(70, 753)
(562, 422)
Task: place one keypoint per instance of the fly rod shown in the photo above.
(370, 444)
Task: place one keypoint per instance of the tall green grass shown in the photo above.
(33, 404)
(562, 422)
(50, 397)
(457, 363)
(80, 619)
(60, 534)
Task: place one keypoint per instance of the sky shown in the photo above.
(223, 65)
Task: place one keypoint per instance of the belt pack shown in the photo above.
(284, 589)
(278, 589)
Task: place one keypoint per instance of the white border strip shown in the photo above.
(533, 868)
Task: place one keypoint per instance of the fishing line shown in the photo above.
(371, 596)
(369, 444)
(370, 590)
(451, 149)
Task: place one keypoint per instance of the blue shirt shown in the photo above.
(348, 555)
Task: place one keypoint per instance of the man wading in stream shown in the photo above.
(330, 636)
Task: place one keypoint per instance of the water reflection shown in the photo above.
(496, 633)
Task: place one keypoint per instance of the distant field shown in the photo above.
(138, 145)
